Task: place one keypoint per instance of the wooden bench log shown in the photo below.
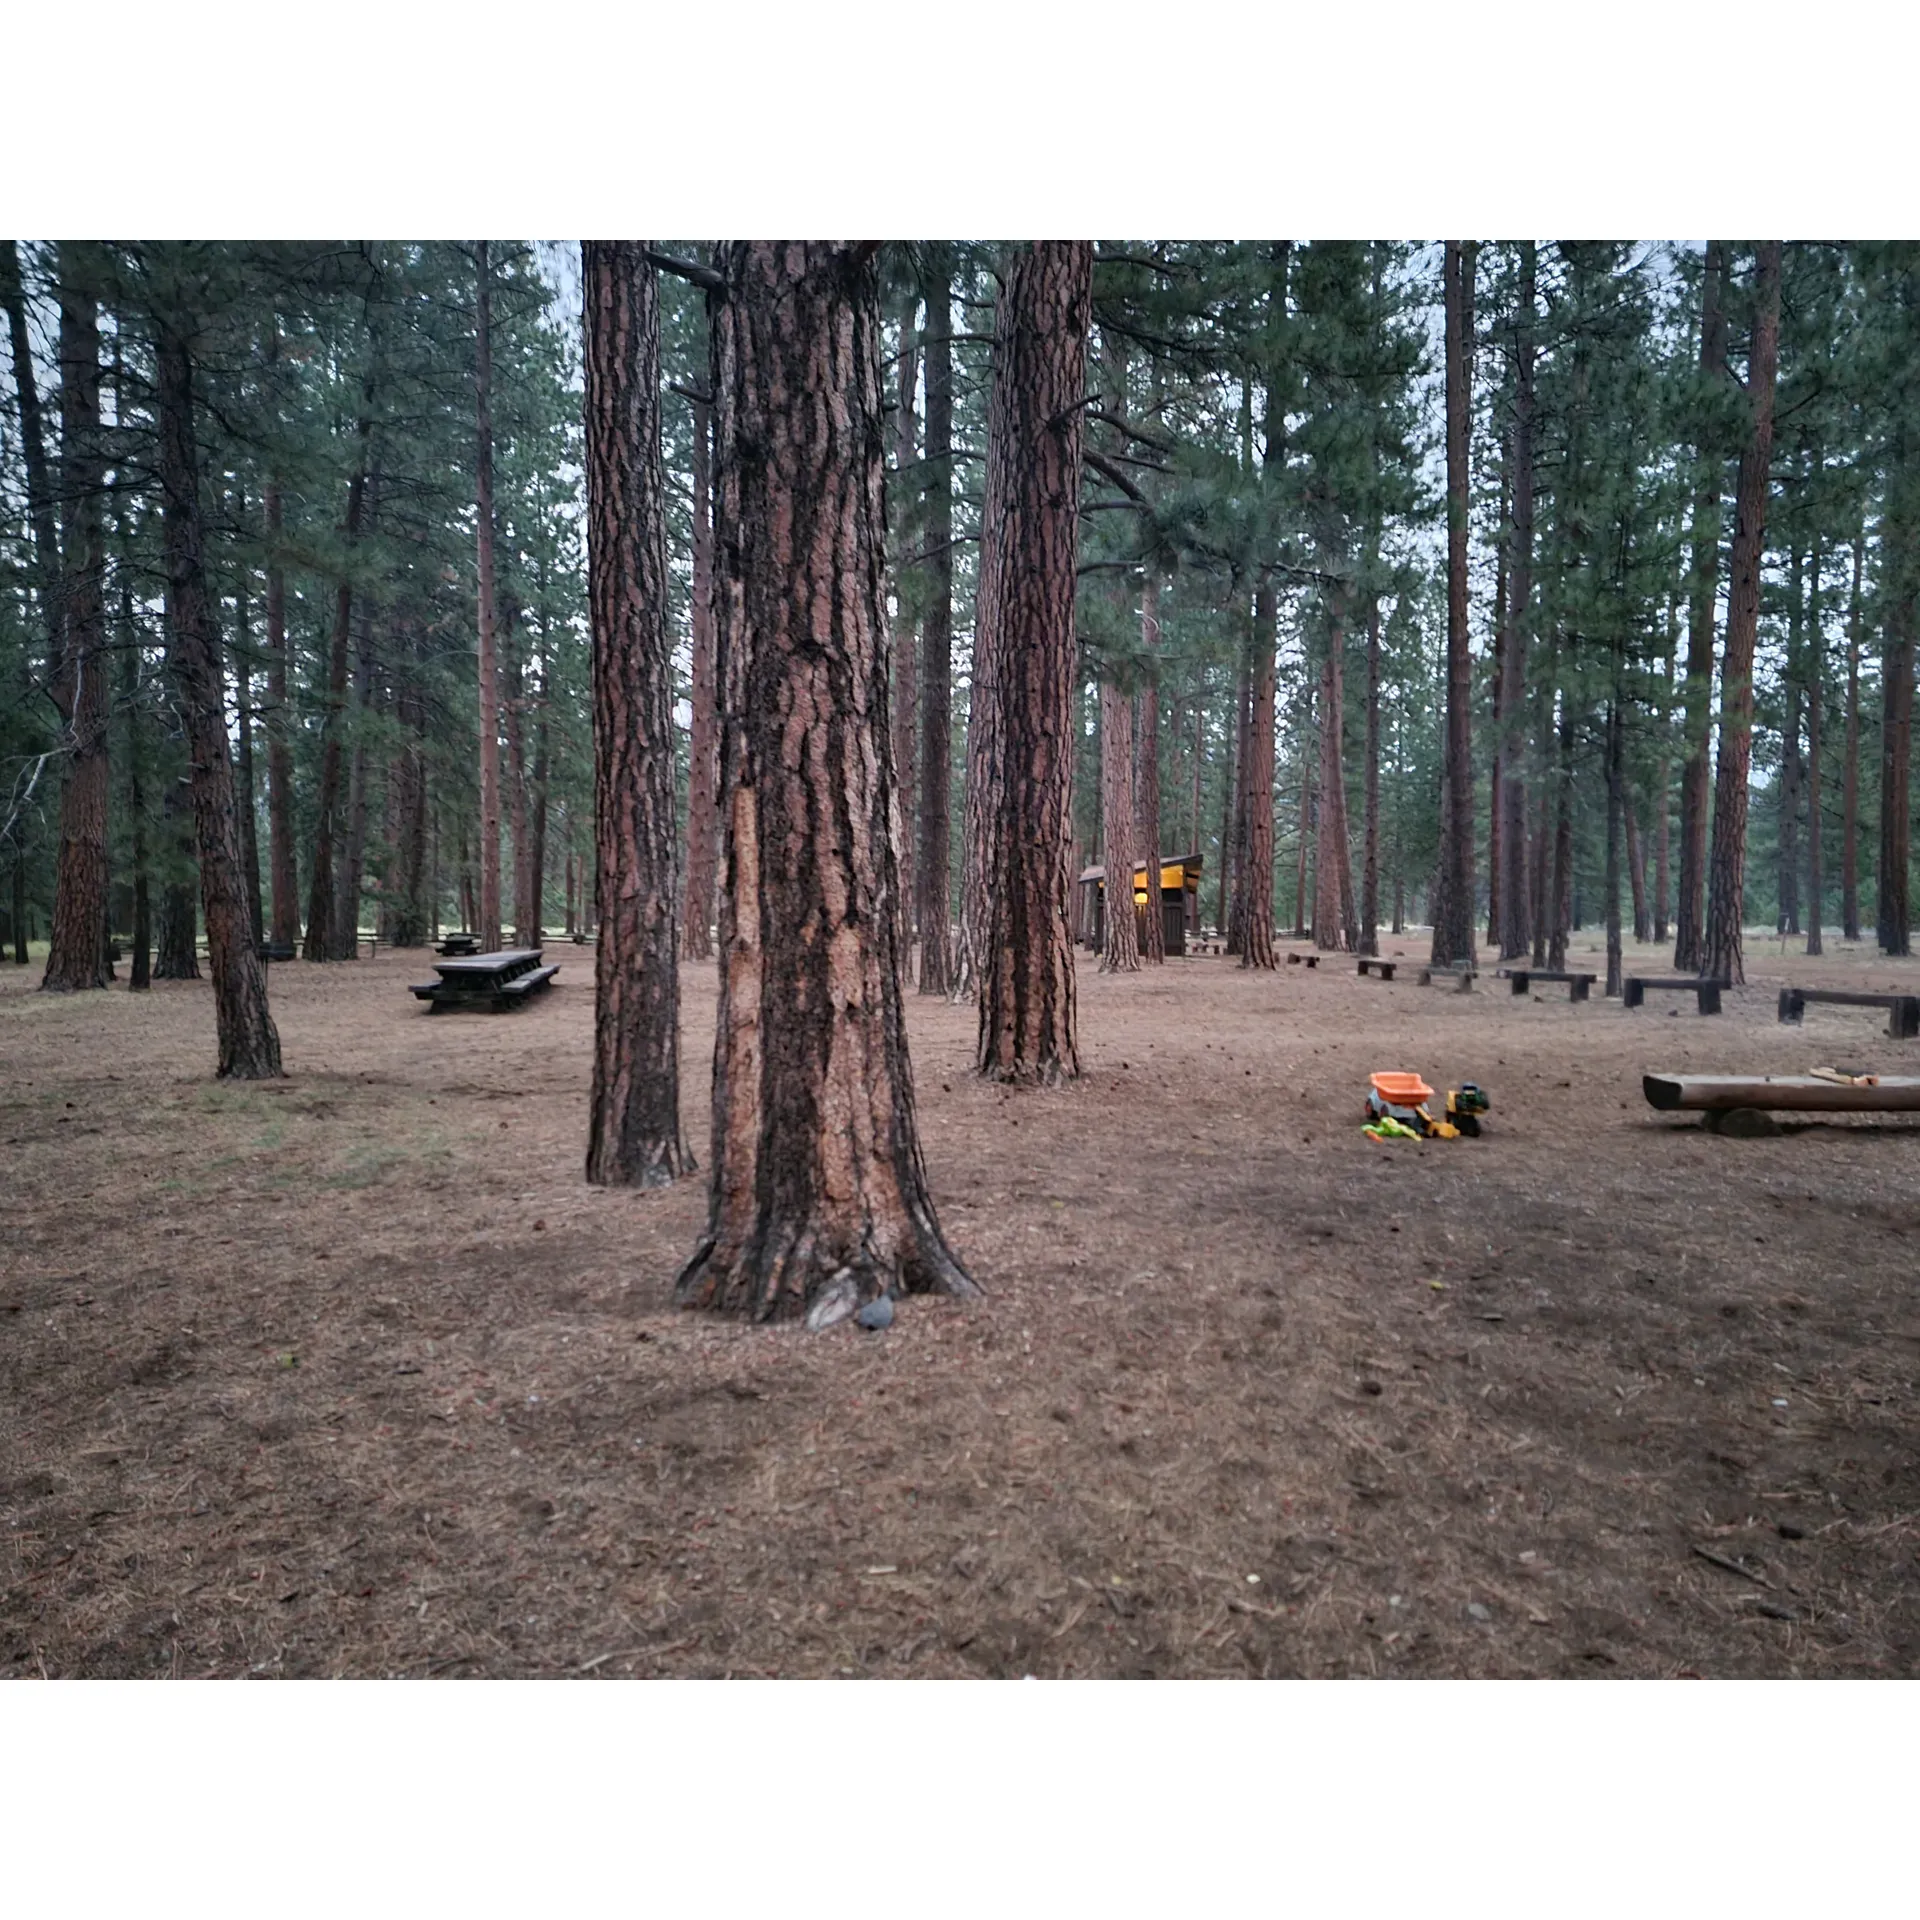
(1579, 985)
(1384, 968)
(1636, 986)
(1783, 1093)
(1903, 1009)
(1463, 976)
(1311, 959)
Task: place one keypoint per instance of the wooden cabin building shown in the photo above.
(1179, 901)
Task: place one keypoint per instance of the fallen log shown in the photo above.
(1786, 1093)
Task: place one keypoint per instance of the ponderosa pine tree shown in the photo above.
(1024, 666)
(703, 738)
(1722, 958)
(1120, 935)
(487, 622)
(1516, 932)
(1696, 775)
(248, 1042)
(77, 958)
(933, 864)
(819, 1197)
(1453, 915)
(1146, 769)
(634, 1134)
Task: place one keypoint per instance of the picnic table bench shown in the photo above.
(1294, 959)
(1636, 986)
(495, 981)
(1462, 976)
(1579, 985)
(1384, 968)
(1903, 1009)
(458, 943)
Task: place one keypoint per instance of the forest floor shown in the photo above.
(352, 1374)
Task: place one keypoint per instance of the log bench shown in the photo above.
(1462, 977)
(490, 981)
(1311, 959)
(1384, 968)
(1744, 1104)
(1579, 985)
(1636, 986)
(1903, 1009)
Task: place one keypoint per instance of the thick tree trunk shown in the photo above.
(1305, 750)
(78, 956)
(1696, 774)
(703, 740)
(489, 674)
(819, 1197)
(933, 864)
(1229, 786)
(634, 1137)
(249, 1045)
(1256, 934)
(1722, 959)
(1453, 920)
(322, 916)
(1146, 771)
(1850, 768)
(140, 971)
(284, 876)
(1029, 534)
(905, 637)
(1370, 817)
(537, 838)
(1636, 866)
(1120, 942)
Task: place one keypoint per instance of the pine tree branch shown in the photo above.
(706, 277)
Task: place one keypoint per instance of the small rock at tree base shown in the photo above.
(877, 1315)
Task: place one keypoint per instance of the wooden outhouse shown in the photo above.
(1179, 901)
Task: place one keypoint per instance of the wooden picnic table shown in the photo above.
(495, 981)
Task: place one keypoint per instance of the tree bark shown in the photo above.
(1727, 873)
(1787, 841)
(1516, 931)
(1256, 934)
(1696, 774)
(819, 1195)
(1242, 762)
(248, 1043)
(1146, 771)
(488, 665)
(1453, 920)
(1030, 539)
(1850, 768)
(77, 958)
(905, 637)
(703, 756)
(1663, 790)
(933, 866)
(634, 1137)
(1560, 914)
(1120, 941)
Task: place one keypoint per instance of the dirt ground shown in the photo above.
(354, 1375)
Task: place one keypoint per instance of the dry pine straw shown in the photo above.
(354, 1375)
